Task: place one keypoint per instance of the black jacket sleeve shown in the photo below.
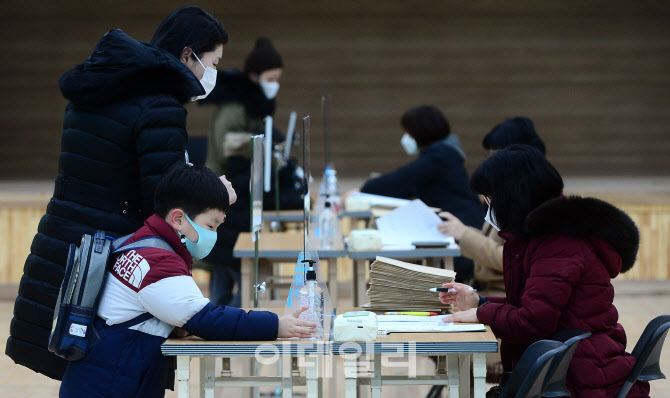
(404, 182)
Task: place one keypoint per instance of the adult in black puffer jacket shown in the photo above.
(437, 176)
(124, 126)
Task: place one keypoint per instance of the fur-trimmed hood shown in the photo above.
(587, 217)
(121, 67)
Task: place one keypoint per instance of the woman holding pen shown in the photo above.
(559, 256)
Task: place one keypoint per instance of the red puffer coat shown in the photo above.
(557, 276)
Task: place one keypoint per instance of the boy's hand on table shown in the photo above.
(179, 332)
(463, 297)
(291, 326)
(462, 316)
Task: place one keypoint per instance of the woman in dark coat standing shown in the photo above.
(124, 127)
(559, 257)
(437, 176)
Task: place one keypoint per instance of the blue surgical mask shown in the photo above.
(205, 243)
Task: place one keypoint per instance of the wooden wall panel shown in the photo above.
(593, 75)
(20, 215)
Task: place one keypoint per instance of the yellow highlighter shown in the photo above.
(415, 313)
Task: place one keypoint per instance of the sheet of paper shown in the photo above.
(412, 222)
(409, 318)
(378, 200)
(421, 327)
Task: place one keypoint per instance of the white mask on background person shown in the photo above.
(491, 219)
(409, 144)
(270, 89)
(208, 80)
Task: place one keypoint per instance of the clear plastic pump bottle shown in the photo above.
(311, 296)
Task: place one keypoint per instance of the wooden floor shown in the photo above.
(637, 302)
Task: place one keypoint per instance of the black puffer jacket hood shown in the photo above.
(121, 67)
(577, 216)
(234, 86)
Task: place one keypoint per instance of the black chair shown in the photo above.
(555, 385)
(647, 351)
(527, 379)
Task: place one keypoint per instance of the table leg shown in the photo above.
(247, 282)
(359, 281)
(286, 377)
(479, 374)
(183, 375)
(207, 377)
(448, 263)
(350, 375)
(376, 380)
(332, 280)
(464, 375)
(312, 375)
(452, 366)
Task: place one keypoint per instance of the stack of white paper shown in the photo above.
(417, 324)
(420, 327)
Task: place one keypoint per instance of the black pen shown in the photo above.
(444, 289)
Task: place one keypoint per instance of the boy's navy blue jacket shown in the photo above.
(125, 125)
(437, 177)
(127, 361)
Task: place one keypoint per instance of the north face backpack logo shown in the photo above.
(132, 268)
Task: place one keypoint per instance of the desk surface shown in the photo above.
(419, 343)
(278, 245)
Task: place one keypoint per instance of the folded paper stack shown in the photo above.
(400, 286)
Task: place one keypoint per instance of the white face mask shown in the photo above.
(208, 80)
(409, 144)
(270, 89)
(491, 219)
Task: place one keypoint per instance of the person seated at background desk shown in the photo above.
(137, 314)
(243, 99)
(437, 176)
(225, 268)
(484, 246)
(559, 257)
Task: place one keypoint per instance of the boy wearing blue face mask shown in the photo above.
(150, 291)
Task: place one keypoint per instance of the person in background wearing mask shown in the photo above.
(561, 254)
(243, 99)
(484, 246)
(125, 126)
(437, 176)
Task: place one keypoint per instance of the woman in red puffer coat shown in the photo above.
(558, 259)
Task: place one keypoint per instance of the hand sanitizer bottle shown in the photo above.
(329, 228)
(311, 296)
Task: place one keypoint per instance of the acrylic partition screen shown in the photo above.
(256, 183)
(267, 171)
(306, 180)
(290, 131)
